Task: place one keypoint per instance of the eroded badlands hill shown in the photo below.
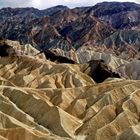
(42, 100)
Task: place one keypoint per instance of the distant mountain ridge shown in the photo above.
(62, 27)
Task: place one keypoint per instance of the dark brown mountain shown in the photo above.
(86, 29)
(109, 24)
(123, 15)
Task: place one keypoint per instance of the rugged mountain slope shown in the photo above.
(125, 43)
(106, 24)
(19, 49)
(119, 15)
(86, 29)
(42, 100)
(129, 69)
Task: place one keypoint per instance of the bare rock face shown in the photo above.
(42, 100)
(96, 69)
(14, 48)
(128, 69)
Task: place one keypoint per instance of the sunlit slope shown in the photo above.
(41, 100)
